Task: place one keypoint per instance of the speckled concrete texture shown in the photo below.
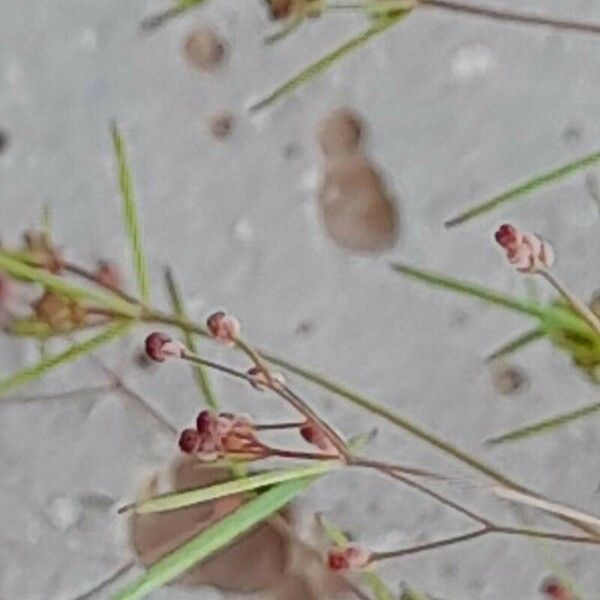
(457, 109)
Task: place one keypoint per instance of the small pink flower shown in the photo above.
(159, 347)
(224, 328)
(345, 559)
(526, 251)
(108, 274)
(555, 590)
(314, 435)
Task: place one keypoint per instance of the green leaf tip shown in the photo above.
(545, 426)
(130, 213)
(49, 362)
(527, 187)
(381, 24)
(178, 500)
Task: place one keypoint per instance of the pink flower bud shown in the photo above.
(108, 274)
(526, 251)
(555, 590)
(206, 422)
(344, 559)
(189, 441)
(258, 379)
(224, 328)
(314, 435)
(159, 347)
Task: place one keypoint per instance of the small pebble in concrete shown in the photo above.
(204, 49)
(220, 125)
(63, 513)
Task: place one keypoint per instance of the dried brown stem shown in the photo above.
(465, 537)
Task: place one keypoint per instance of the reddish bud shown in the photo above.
(506, 235)
(189, 441)
(159, 347)
(555, 590)
(258, 378)
(205, 421)
(314, 435)
(526, 251)
(108, 275)
(344, 559)
(224, 328)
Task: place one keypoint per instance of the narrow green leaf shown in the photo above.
(72, 353)
(173, 501)
(154, 21)
(290, 26)
(380, 25)
(130, 214)
(214, 538)
(517, 343)
(471, 289)
(25, 272)
(371, 578)
(380, 590)
(31, 327)
(528, 187)
(335, 534)
(358, 442)
(200, 373)
(546, 425)
(551, 316)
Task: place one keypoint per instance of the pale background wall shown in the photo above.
(457, 109)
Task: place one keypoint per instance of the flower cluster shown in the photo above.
(346, 559)
(220, 435)
(526, 251)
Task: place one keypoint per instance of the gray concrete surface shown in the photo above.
(457, 109)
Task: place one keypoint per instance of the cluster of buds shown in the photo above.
(554, 589)
(224, 328)
(351, 558)
(219, 435)
(526, 251)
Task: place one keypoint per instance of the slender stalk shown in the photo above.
(278, 426)
(449, 541)
(437, 496)
(546, 505)
(512, 17)
(465, 537)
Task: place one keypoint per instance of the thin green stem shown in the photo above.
(579, 307)
(516, 344)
